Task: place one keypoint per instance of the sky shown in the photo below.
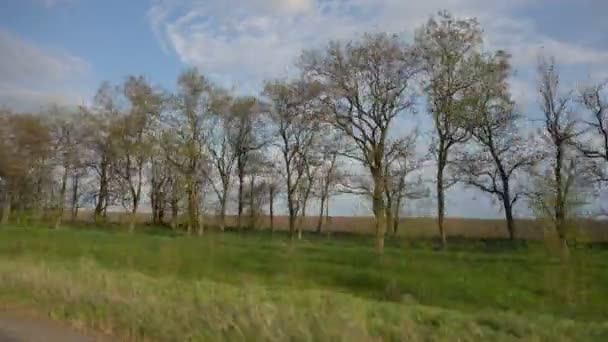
(59, 51)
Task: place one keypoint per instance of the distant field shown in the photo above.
(254, 286)
(414, 227)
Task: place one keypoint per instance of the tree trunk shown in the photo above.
(510, 221)
(6, 208)
(304, 205)
(327, 215)
(396, 217)
(154, 201)
(161, 208)
(301, 219)
(379, 212)
(75, 183)
(292, 217)
(441, 202)
(321, 212)
(252, 211)
(241, 177)
(105, 209)
(64, 181)
(192, 209)
(201, 226)
(133, 219)
(174, 204)
(38, 209)
(271, 195)
(174, 212)
(560, 215)
(300, 228)
(389, 213)
(223, 210)
(102, 195)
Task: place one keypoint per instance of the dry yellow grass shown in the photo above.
(412, 227)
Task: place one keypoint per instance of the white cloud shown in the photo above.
(31, 76)
(521, 38)
(247, 41)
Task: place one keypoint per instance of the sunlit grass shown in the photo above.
(256, 286)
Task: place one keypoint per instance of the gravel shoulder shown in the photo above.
(19, 327)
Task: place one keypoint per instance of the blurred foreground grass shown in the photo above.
(258, 287)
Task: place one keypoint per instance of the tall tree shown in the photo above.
(499, 151)
(249, 137)
(132, 141)
(186, 138)
(292, 113)
(232, 139)
(329, 174)
(449, 49)
(67, 142)
(222, 156)
(367, 83)
(99, 121)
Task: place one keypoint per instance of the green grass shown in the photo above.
(256, 286)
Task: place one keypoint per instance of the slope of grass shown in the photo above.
(258, 287)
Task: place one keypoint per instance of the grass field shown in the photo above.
(259, 287)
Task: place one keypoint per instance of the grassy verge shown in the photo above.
(134, 306)
(256, 287)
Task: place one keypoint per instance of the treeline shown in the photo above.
(302, 138)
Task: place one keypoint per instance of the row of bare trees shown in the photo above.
(344, 125)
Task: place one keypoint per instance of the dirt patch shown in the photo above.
(21, 327)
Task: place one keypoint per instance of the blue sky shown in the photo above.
(60, 50)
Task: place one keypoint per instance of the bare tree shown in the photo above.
(367, 83)
(67, 142)
(401, 162)
(594, 142)
(329, 174)
(98, 123)
(249, 137)
(499, 151)
(313, 162)
(292, 113)
(554, 195)
(449, 49)
(232, 139)
(222, 155)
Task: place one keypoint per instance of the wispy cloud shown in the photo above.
(31, 76)
(244, 42)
